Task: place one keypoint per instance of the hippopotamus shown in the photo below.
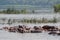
(20, 30)
(58, 34)
(5, 28)
(48, 27)
(20, 26)
(12, 29)
(36, 28)
(35, 31)
(1, 29)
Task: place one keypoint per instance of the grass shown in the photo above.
(32, 20)
(43, 20)
(14, 11)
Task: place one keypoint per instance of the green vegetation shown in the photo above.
(14, 11)
(9, 22)
(57, 8)
(32, 20)
(33, 11)
(43, 20)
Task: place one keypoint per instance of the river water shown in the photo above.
(4, 35)
(27, 36)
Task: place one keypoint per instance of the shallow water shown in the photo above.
(27, 36)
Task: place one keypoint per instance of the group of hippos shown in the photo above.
(36, 29)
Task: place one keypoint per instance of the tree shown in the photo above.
(8, 11)
(57, 8)
(23, 11)
(33, 11)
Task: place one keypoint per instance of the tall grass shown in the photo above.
(44, 20)
(14, 11)
(32, 20)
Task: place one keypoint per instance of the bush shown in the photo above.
(57, 8)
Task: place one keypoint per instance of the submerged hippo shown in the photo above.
(58, 34)
(52, 32)
(1, 29)
(5, 28)
(36, 30)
